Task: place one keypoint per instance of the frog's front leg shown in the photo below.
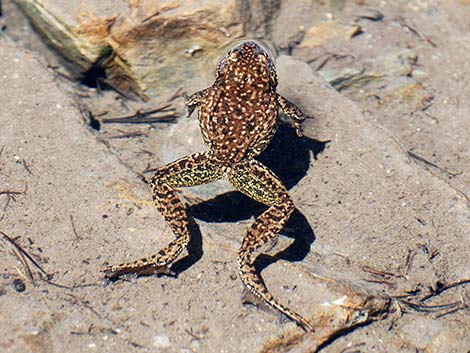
(293, 112)
(196, 169)
(194, 100)
(256, 181)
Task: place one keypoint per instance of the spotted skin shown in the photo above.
(238, 116)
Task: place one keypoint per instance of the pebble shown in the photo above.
(370, 14)
(161, 341)
(19, 285)
(419, 75)
(195, 345)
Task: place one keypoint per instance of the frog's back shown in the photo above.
(238, 115)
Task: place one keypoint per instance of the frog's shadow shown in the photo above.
(289, 157)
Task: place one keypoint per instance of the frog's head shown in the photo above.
(248, 62)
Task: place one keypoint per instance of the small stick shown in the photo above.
(443, 289)
(428, 308)
(388, 283)
(323, 63)
(151, 154)
(403, 23)
(21, 274)
(97, 115)
(59, 73)
(151, 16)
(11, 192)
(22, 251)
(114, 88)
(27, 168)
(78, 301)
(421, 159)
(356, 346)
(134, 344)
(378, 272)
(427, 102)
(9, 197)
(164, 108)
(409, 258)
(139, 115)
(21, 258)
(73, 227)
(465, 306)
(14, 192)
(175, 95)
(165, 118)
(193, 335)
(56, 284)
(85, 304)
(129, 134)
(159, 11)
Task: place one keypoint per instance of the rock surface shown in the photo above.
(371, 215)
(83, 208)
(147, 49)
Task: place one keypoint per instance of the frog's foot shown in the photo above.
(293, 112)
(141, 267)
(193, 101)
(248, 298)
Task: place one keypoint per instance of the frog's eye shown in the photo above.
(233, 55)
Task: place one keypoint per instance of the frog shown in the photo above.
(238, 117)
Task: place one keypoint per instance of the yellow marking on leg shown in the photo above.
(188, 171)
(256, 181)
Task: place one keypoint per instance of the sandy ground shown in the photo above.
(72, 198)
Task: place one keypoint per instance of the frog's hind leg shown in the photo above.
(192, 170)
(258, 182)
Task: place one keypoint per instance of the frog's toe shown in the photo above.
(164, 270)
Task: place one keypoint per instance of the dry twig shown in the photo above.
(128, 134)
(24, 254)
(168, 116)
(113, 87)
(421, 159)
(14, 192)
(27, 167)
(402, 22)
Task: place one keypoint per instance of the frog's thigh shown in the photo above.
(256, 181)
(196, 169)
